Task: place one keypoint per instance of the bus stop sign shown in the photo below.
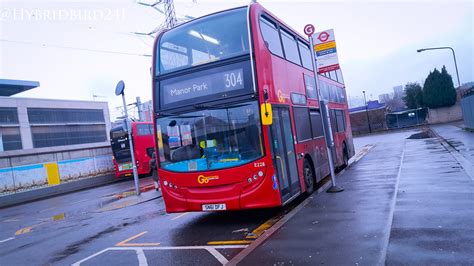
(309, 29)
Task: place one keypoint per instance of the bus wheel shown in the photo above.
(345, 157)
(308, 177)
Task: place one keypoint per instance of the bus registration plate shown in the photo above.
(214, 207)
(125, 166)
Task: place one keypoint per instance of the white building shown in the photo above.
(30, 123)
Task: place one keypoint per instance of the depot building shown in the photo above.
(30, 123)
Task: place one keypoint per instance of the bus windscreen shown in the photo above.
(203, 40)
(210, 139)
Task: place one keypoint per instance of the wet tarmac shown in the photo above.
(67, 229)
(407, 202)
(461, 140)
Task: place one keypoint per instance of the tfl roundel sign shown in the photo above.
(309, 29)
(323, 36)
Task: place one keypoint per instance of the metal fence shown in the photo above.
(406, 118)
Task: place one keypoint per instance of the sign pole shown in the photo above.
(119, 90)
(309, 30)
(132, 150)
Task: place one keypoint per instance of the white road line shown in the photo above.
(8, 239)
(90, 257)
(179, 247)
(179, 216)
(217, 255)
(141, 257)
(383, 258)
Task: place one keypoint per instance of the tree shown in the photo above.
(394, 102)
(438, 90)
(413, 96)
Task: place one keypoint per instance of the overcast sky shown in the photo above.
(376, 40)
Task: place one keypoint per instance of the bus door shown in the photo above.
(283, 151)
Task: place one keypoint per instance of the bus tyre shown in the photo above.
(308, 177)
(345, 157)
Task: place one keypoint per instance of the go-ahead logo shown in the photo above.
(205, 179)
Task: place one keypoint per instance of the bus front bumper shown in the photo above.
(234, 196)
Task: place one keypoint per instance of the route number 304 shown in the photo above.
(233, 79)
(259, 164)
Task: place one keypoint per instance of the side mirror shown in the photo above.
(266, 114)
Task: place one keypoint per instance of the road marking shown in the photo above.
(8, 239)
(90, 257)
(179, 216)
(126, 244)
(217, 255)
(24, 230)
(59, 217)
(131, 238)
(244, 253)
(11, 220)
(383, 258)
(230, 242)
(261, 229)
(141, 258)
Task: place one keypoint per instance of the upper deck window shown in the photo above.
(144, 129)
(271, 36)
(204, 40)
(291, 50)
(305, 55)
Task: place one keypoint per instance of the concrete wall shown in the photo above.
(21, 170)
(445, 114)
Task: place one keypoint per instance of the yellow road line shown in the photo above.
(24, 230)
(229, 242)
(126, 244)
(259, 230)
(131, 238)
(179, 216)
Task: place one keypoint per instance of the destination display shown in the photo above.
(204, 86)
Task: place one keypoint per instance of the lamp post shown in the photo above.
(367, 112)
(454, 56)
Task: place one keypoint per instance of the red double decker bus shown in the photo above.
(142, 136)
(238, 124)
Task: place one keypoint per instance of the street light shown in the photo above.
(454, 56)
(367, 112)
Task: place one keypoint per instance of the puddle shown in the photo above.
(425, 134)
